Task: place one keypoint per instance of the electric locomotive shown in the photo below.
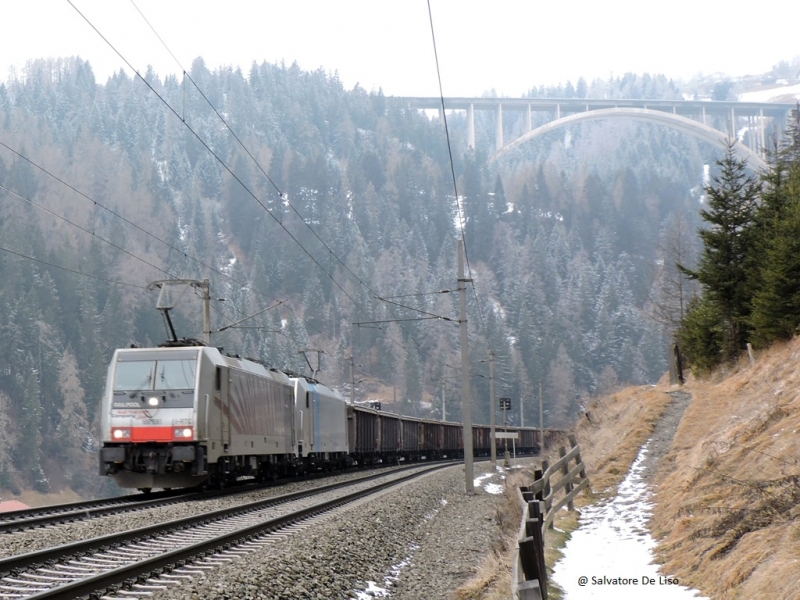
(185, 414)
(179, 416)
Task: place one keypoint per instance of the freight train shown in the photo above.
(176, 417)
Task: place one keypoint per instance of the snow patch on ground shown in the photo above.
(488, 486)
(373, 590)
(613, 542)
(493, 488)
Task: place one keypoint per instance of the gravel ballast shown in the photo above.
(421, 541)
(12, 544)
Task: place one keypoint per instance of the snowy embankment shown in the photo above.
(610, 555)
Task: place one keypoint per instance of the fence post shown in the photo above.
(527, 494)
(574, 442)
(537, 514)
(537, 475)
(546, 491)
(562, 452)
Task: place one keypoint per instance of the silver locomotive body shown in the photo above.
(177, 417)
(320, 425)
(184, 416)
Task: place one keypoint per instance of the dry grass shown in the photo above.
(727, 512)
(610, 438)
(728, 495)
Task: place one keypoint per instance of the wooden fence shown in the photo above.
(529, 573)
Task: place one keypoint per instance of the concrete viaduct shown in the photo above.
(753, 122)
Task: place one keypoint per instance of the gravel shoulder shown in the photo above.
(423, 540)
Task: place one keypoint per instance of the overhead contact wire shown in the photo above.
(49, 264)
(461, 214)
(214, 154)
(92, 233)
(281, 194)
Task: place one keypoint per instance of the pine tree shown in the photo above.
(724, 268)
(701, 336)
(776, 303)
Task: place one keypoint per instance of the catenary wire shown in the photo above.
(281, 194)
(225, 166)
(92, 233)
(452, 167)
(49, 264)
(214, 154)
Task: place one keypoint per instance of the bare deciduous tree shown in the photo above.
(672, 289)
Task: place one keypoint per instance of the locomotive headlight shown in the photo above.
(182, 432)
(153, 400)
(119, 434)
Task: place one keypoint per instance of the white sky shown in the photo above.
(506, 45)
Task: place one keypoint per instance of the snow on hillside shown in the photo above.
(789, 93)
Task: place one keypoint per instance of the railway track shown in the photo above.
(23, 520)
(145, 559)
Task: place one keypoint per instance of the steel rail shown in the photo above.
(86, 513)
(18, 562)
(22, 520)
(163, 562)
(80, 505)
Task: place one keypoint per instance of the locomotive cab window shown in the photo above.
(134, 375)
(143, 375)
(175, 374)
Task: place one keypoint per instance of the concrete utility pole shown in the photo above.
(444, 411)
(352, 380)
(466, 398)
(492, 406)
(541, 421)
(206, 312)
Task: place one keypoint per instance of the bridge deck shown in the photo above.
(566, 105)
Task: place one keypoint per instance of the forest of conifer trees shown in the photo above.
(566, 242)
(749, 266)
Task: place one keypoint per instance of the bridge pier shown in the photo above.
(471, 126)
(498, 128)
(765, 121)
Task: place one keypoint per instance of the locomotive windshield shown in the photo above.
(169, 375)
(134, 376)
(175, 374)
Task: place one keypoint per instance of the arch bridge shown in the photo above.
(754, 122)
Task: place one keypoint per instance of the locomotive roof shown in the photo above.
(193, 353)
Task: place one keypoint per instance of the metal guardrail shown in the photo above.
(529, 572)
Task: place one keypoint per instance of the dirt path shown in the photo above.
(661, 440)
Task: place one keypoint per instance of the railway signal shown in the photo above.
(505, 406)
